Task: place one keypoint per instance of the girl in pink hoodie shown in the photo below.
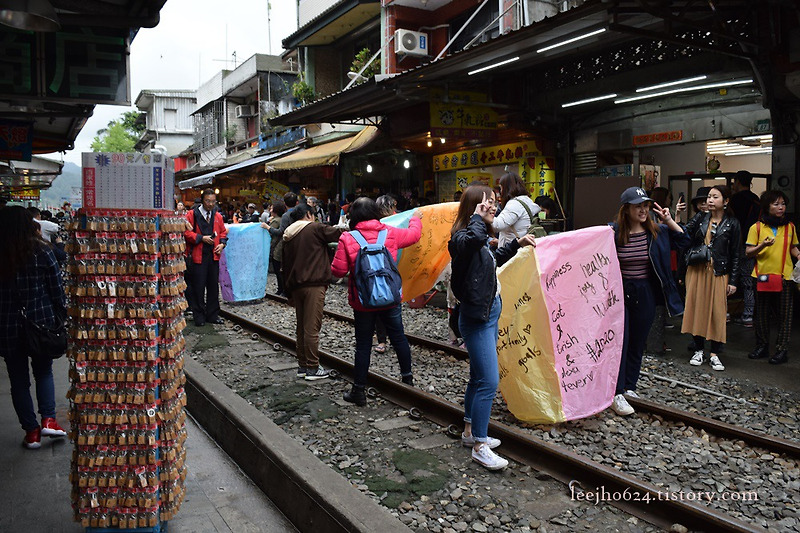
(365, 217)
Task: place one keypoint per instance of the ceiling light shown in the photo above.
(442, 139)
(712, 143)
(751, 151)
(697, 179)
(406, 163)
(568, 41)
(595, 99)
(684, 89)
(762, 138)
(671, 83)
(430, 143)
(493, 66)
(369, 167)
(30, 15)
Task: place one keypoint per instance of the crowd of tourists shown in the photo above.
(731, 242)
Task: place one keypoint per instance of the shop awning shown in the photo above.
(323, 154)
(208, 179)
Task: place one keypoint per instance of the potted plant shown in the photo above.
(302, 91)
(359, 61)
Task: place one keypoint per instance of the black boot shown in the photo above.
(779, 358)
(408, 380)
(760, 352)
(356, 396)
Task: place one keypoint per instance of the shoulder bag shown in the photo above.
(699, 254)
(41, 341)
(535, 228)
(772, 282)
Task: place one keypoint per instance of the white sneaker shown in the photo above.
(488, 459)
(697, 358)
(631, 394)
(313, 374)
(716, 364)
(491, 442)
(621, 406)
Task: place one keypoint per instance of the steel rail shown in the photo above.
(449, 349)
(711, 425)
(644, 500)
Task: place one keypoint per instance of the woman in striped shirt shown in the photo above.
(643, 249)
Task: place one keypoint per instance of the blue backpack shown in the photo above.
(376, 278)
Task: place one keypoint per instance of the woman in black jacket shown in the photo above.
(29, 276)
(711, 278)
(475, 284)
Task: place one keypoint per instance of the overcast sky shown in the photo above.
(189, 46)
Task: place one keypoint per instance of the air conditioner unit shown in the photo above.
(245, 111)
(410, 43)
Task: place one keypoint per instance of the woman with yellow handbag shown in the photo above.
(773, 241)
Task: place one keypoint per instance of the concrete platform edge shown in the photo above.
(311, 495)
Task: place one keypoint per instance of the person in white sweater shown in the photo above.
(518, 210)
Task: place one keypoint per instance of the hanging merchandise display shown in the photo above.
(125, 288)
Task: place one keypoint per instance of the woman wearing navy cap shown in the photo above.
(643, 249)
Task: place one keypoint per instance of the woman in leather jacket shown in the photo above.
(474, 283)
(709, 283)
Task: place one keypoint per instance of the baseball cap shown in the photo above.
(251, 205)
(635, 196)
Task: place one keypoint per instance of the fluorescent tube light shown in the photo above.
(684, 89)
(671, 83)
(747, 152)
(595, 99)
(712, 143)
(762, 138)
(507, 61)
(568, 41)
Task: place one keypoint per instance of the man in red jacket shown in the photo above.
(207, 238)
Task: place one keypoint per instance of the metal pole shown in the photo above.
(368, 63)
(438, 57)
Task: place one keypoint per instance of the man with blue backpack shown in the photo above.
(368, 252)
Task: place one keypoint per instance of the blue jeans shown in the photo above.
(365, 327)
(20, 379)
(480, 339)
(640, 310)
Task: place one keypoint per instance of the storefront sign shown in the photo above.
(655, 138)
(274, 190)
(25, 194)
(561, 330)
(16, 140)
(74, 64)
(487, 156)
(462, 116)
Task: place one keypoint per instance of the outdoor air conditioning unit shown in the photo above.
(245, 111)
(411, 43)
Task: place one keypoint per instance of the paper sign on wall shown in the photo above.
(126, 180)
(244, 262)
(561, 328)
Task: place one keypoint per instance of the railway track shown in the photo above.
(710, 425)
(644, 500)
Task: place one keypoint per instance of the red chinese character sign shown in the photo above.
(126, 180)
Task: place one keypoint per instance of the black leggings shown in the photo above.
(716, 346)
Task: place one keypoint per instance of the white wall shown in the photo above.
(675, 159)
(756, 163)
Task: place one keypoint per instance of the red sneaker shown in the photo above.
(33, 439)
(50, 428)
